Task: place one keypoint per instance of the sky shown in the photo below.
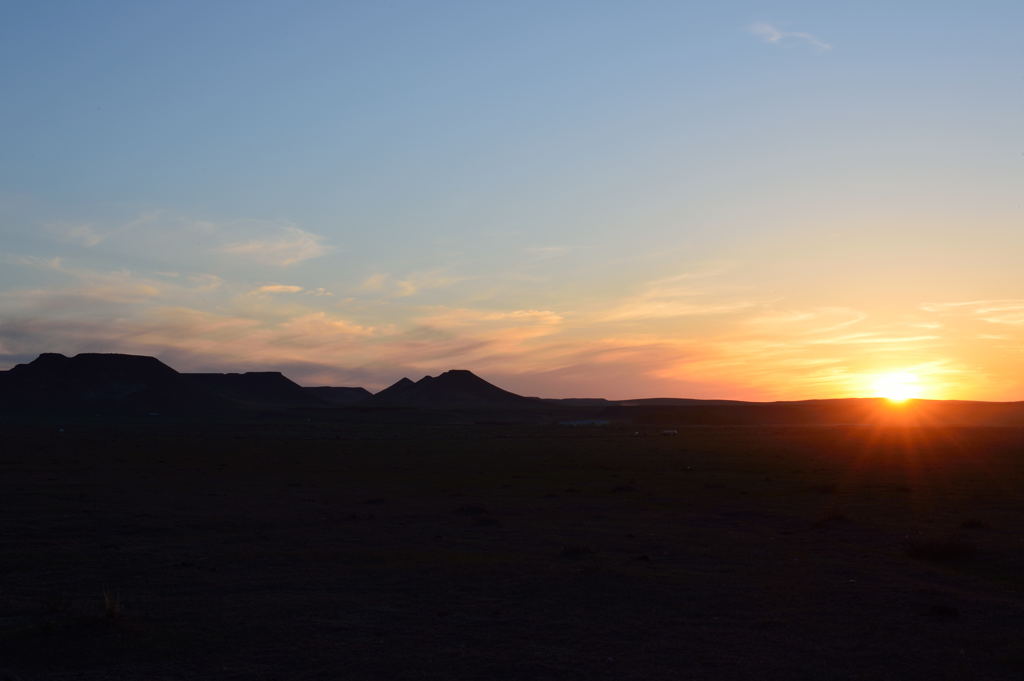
(743, 200)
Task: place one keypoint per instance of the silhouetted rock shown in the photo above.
(96, 384)
(457, 388)
(101, 383)
(339, 396)
(263, 389)
(393, 391)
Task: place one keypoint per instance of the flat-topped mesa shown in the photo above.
(457, 388)
(101, 382)
(339, 396)
(95, 365)
(112, 383)
(256, 388)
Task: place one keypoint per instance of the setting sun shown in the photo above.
(898, 386)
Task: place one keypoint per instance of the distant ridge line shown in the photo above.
(121, 384)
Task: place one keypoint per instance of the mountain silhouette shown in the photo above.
(392, 394)
(104, 385)
(101, 382)
(339, 396)
(457, 388)
(265, 389)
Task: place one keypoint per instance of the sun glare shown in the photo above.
(898, 386)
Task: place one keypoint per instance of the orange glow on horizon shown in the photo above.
(897, 386)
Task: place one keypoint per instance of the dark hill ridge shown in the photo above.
(99, 382)
(92, 367)
(256, 389)
(104, 385)
(454, 389)
(392, 393)
(339, 396)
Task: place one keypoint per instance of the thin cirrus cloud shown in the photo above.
(293, 245)
(161, 234)
(680, 335)
(1008, 311)
(409, 285)
(669, 297)
(461, 317)
(81, 234)
(290, 288)
(278, 288)
(774, 35)
(875, 338)
(767, 354)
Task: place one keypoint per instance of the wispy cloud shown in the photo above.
(421, 281)
(1009, 311)
(874, 337)
(82, 234)
(459, 317)
(776, 36)
(681, 335)
(278, 288)
(375, 282)
(675, 296)
(105, 286)
(289, 289)
(492, 332)
(410, 284)
(205, 282)
(291, 246)
(665, 308)
(546, 252)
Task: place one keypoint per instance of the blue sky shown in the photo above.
(570, 198)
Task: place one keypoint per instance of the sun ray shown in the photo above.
(897, 386)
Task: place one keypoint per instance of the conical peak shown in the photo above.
(460, 373)
(400, 386)
(459, 377)
(453, 388)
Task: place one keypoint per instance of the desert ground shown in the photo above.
(331, 550)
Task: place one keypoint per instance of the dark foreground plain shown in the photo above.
(339, 551)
